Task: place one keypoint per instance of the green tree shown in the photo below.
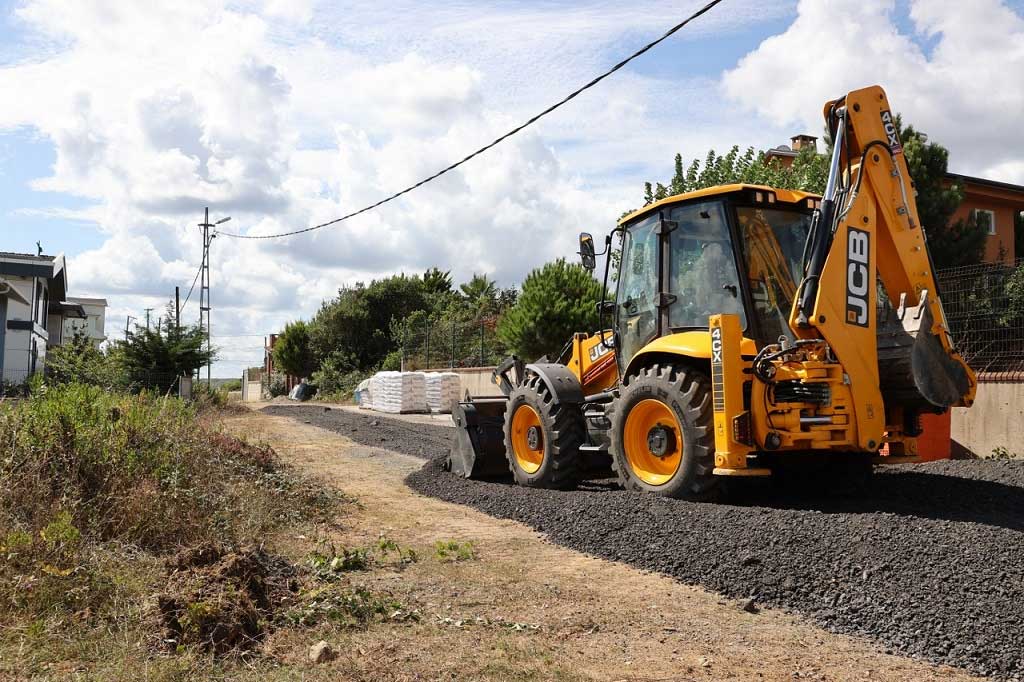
(480, 295)
(438, 289)
(293, 351)
(354, 329)
(808, 172)
(950, 243)
(155, 358)
(556, 301)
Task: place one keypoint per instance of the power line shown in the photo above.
(706, 8)
(194, 280)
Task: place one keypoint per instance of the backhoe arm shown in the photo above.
(899, 361)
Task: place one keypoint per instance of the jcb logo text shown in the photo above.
(858, 280)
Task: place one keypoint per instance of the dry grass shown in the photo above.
(98, 492)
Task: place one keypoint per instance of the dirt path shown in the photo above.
(526, 609)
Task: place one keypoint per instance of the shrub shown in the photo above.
(334, 381)
(83, 466)
(79, 361)
(277, 385)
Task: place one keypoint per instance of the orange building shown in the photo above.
(994, 205)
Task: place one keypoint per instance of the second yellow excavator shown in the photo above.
(750, 328)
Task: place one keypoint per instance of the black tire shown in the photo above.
(561, 433)
(687, 394)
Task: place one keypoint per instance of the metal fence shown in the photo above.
(452, 344)
(984, 305)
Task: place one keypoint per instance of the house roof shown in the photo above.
(995, 184)
(781, 150)
(5, 255)
(87, 301)
(67, 309)
(28, 265)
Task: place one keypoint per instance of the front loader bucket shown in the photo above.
(478, 450)
(914, 365)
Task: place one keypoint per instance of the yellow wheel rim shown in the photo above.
(653, 442)
(527, 439)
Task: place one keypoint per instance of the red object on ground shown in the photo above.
(935, 442)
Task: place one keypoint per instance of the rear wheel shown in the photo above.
(542, 437)
(662, 436)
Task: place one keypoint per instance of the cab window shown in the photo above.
(702, 273)
(638, 287)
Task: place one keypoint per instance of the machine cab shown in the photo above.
(736, 249)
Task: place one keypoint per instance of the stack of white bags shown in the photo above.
(399, 392)
(362, 395)
(442, 391)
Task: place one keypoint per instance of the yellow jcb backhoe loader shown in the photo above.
(751, 328)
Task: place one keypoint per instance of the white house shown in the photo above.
(32, 311)
(92, 326)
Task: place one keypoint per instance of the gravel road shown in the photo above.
(425, 441)
(930, 562)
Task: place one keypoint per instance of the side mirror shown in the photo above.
(587, 251)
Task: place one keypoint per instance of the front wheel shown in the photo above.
(662, 435)
(542, 437)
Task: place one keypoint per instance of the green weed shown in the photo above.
(453, 550)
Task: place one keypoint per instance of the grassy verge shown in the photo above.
(140, 541)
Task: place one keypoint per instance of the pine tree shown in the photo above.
(556, 300)
(950, 243)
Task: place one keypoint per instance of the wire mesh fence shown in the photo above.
(984, 306)
(438, 345)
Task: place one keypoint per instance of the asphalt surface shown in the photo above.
(929, 560)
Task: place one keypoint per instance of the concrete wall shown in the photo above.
(252, 386)
(996, 420)
(476, 380)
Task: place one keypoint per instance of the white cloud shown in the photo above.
(287, 114)
(966, 92)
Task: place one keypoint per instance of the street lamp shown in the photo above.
(204, 290)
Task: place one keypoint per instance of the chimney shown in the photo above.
(801, 141)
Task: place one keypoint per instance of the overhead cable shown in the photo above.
(486, 147)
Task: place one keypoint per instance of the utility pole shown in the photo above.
(127, 321)
(204, 289)
(148, 311)
(177, 310)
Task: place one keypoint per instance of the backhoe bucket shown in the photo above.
(914, 365)
(478, 450)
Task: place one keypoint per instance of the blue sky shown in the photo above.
(122, 120)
